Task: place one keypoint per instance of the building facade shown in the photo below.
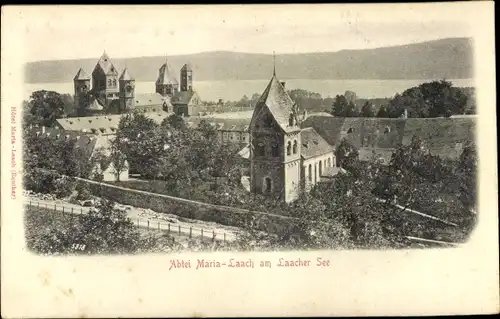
(108, 93)
(282, 154)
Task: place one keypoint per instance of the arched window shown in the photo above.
(289, 148)
(387, 130)
(350, 130)
(114, 82)
(275, 150)
(109, 82)
(320, 168)
(259, 149)
(268, 185)
(329, 162)
(295, 147)
(310, 173)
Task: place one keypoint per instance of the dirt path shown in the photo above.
(149, 219)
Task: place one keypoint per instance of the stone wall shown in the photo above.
(225, 215)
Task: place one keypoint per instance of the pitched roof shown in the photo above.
(313, 144)
(147, 99)
(81, 75)
(95, 105)
(106, 65)
(182, 97)
(165, 75)
(102, 124)
(278, 102)
(126, 76)
(235, 125)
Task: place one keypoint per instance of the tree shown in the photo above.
(382, 112)
(339, 106)
(350, 110)
(466, 174)
(430, 99)
(118, 160)
(346, 154)
(368, 110)
(46, 107)
(104, 230)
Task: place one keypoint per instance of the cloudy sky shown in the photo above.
(84, 32)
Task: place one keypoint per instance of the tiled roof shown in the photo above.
(165, 75)
(441, 135)
(126, 75)
(313, 144)
(182, 97)
(236, 125)
(103, 124)
(81, 75)
(148, 99)
(278, 102)
(106, 65)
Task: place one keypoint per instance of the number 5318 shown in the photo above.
(78, 247)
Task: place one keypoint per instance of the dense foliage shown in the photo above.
(44, 107)
(104, 230)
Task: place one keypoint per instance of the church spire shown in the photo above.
(274, 63)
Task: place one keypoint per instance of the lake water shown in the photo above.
(234, 90)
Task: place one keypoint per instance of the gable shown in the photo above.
(264, 119)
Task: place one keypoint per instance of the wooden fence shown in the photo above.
(172, 229)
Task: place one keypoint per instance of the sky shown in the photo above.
(73, 32)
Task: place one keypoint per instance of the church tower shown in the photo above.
(127, 91)
(275, 161)
(82, 88)
(105, 80)
(166, 84)
(186, 78)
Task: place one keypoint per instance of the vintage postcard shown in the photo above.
(249, 160)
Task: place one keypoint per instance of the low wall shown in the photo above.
(224, 215)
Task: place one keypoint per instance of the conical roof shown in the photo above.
(81, 75)
(165, 75)
(106, 65)
(278, 102)
(126, 76)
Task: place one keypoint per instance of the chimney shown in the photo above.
(283, 84)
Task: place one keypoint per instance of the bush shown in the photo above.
(64, 186)
(83, 191)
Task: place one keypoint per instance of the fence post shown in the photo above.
(158, 225)
(224, 237)
(81, 211)
(148, 223)
(55, 207)
(38, 206)
(213, 238)
(71, 210)
(169, 228)
(179, 229)
(202, 233)
(63, 209)
(190, 232)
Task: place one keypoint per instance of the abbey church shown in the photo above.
(115, 93)
(284, 156)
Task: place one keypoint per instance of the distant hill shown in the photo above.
(446, 58)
